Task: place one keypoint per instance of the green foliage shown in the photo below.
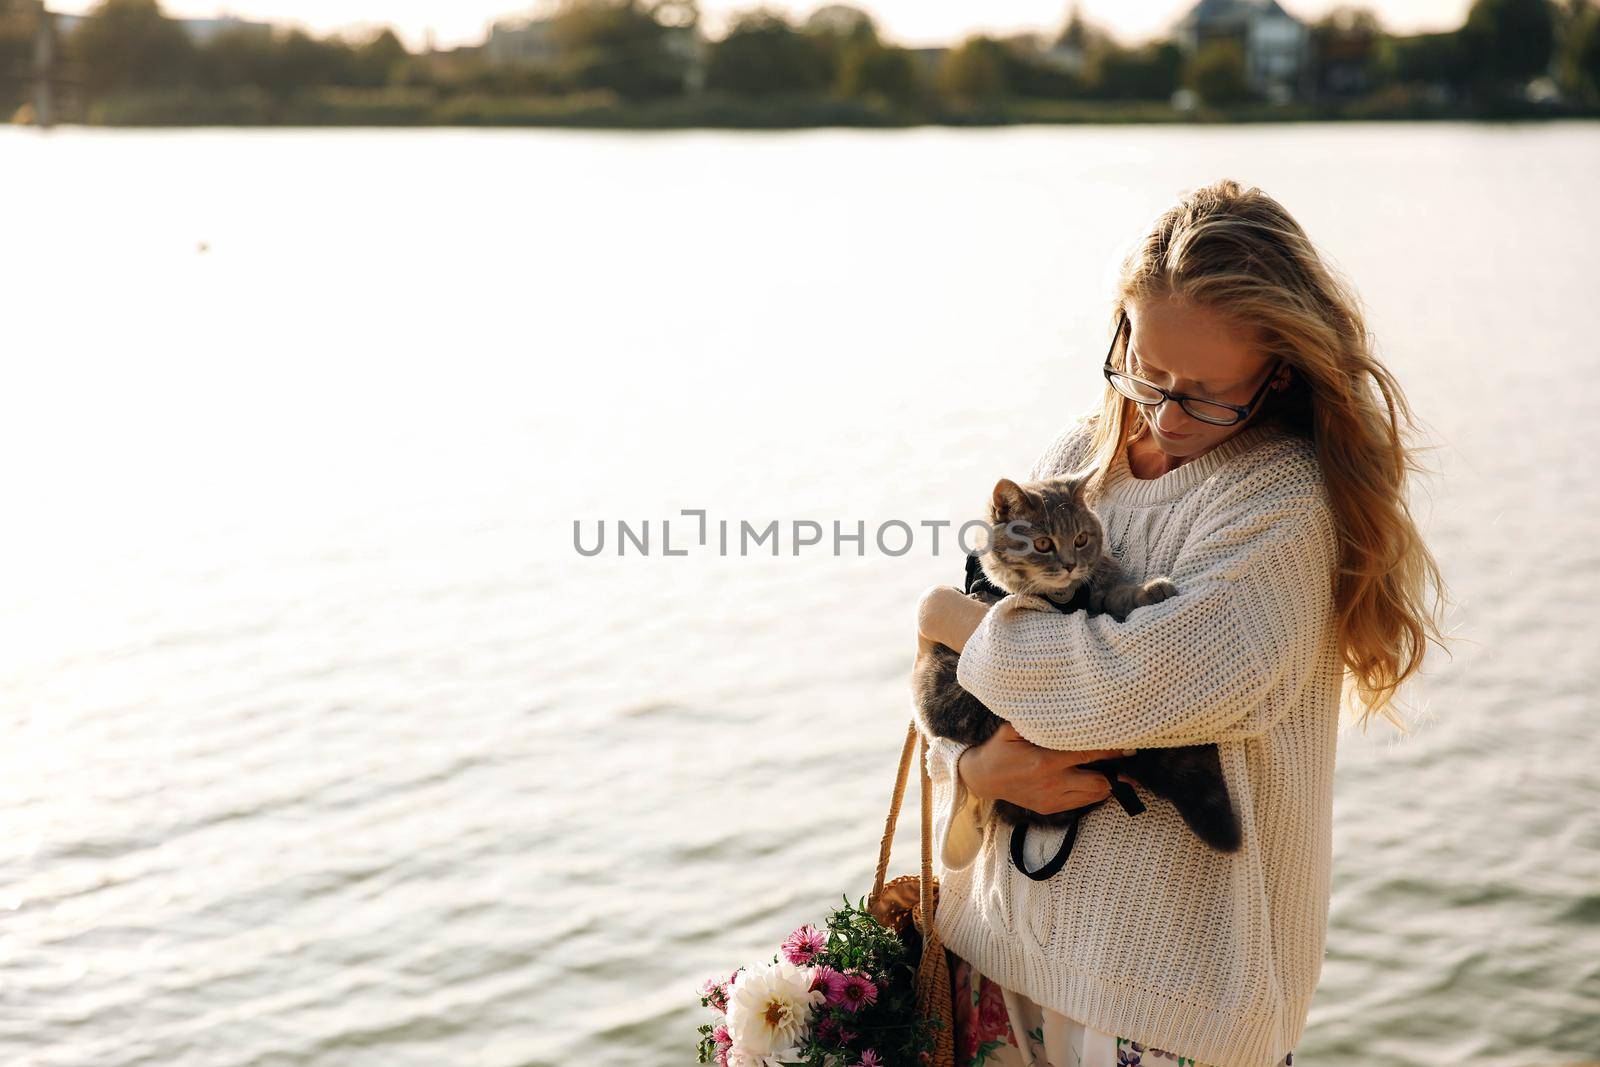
(241, 56)
(868, 68)
(1217, 74)
(1026, 74)
(1345, 53)
(1427, 58)
(974, 70)
(130, 44)
(716, 110)
(857, 941)
(763, 55)
(19, 23)
(1581, 54)
(379, 61)
(1508, 41)
(304, 60)
(1152, 72)
(251, 106)
(842, 24)
(621, 45)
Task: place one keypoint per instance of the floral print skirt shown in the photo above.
(997, 1027)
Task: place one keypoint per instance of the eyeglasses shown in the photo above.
(1149, 394)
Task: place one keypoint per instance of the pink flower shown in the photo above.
(859, 992)
(802, 946)
(869, 1058)
(847, 1036)
(715, 993)
(828, 1030)
(831, 982)
(720, 1035)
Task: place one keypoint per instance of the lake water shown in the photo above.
(323, 746)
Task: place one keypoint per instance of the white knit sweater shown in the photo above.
(1146, 932)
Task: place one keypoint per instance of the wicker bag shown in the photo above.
(907, 905)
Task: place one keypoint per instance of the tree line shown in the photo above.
(639, 51)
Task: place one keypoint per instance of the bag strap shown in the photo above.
(930, 937)
(932, 980)
(927, 904)
(894, 811)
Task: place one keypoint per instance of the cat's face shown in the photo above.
(1046, 539)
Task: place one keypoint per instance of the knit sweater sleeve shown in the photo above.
(1222, 660)
(958, 814)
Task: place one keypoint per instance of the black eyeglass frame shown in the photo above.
(1241, 412)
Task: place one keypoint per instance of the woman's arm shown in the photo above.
(947, 616)
(970, 778)
(1222, 660)
(958, 814)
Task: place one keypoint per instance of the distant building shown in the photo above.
(520, 42)
(689, 45)
(1275, 43)
(204, 31)
(530, 42)
(1029, 44)
(928, 59)
(1070, 51)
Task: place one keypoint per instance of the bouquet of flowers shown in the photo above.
(843, 997)
(871, 990)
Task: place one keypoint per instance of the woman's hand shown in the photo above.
(1009, 767)
(947, 616)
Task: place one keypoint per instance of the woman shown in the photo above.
(1250, 447)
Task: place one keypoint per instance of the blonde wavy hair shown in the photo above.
(1238, 253)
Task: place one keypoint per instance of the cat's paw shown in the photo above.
(1156, 590)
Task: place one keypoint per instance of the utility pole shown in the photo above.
(44, 70)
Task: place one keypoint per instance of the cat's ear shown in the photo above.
(1009, 499)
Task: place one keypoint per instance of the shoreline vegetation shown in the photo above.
(604, 110)
(649, 64)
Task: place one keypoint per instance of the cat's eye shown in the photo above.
(1081, 540)
(1043, 544)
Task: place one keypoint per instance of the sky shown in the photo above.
(908, 22)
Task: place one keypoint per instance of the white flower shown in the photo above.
(769, 1013)
(738, 1057)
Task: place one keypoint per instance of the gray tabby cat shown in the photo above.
(1048, 542)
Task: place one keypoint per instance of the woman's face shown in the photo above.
(1194, 351)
